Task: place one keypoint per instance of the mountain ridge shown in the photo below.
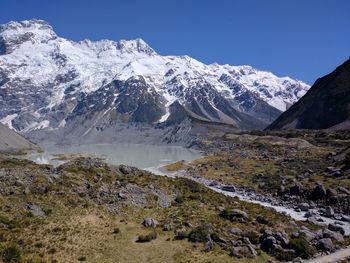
(325, 105)
(45, 80)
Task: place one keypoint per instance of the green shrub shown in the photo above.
(302, 248)
(200, 233)
(35, 259)
(193, 186)
(10, 224)
(51, 250)
(83, 258)
(116, 230)
(39, 245)
(48, 210)
(253, 237)
(11, 253)
(285, 255)
(181, 235)
(147, 238)
(179, 199)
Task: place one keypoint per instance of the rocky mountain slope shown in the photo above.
(325, 105)
(48, 82)
(10, 141)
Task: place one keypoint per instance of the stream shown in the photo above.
(249, 197)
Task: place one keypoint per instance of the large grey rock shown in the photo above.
(336, 228)
(235, 230)
(209, 245)
(336, 236)
(150, 222)
(246, 251)
(35, 210)
(124, 169)
(228, 188)
(329, 211)
(304, 207)
(325, 244)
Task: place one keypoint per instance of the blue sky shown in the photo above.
(304, 39)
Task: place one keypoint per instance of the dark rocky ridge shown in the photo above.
(326, 104)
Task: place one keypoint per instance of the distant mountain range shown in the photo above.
(50, 83)
(325, 106)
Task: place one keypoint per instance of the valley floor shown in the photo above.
(86, 210)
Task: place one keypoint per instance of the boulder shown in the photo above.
(235, 230)
(167, 227)
(335, 236)
(150, 222)
(308, 235)
(26, 191)
(35, 210)
(331, 192)
(262, 220)
(234, 214)
(345, 218)
(124, 169)
(325, 244)
(282, 190)
(311, 213)
(269, 244)
(336, 228)
(319, 192)
(332, 169)
(329, 211)
(296, 189)
(344, 190)
(282, 238)
(19, 183)
(304, 207)
(209, 245)
(247, 251)
(228, 188)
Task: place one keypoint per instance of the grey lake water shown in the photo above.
(138, 155)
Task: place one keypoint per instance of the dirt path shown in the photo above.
(332, 258)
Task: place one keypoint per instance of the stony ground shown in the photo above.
(307, 171)
(88, 211)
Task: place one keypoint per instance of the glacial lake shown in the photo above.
(138, 155)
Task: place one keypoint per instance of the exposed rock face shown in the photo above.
(48, 82)
(325, 105)
(10, 141)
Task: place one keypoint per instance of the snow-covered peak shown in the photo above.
(135, 45)
(38, 29)
(35, 62)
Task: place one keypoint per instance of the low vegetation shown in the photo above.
(88, 211)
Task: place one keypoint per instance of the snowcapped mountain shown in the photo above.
(48, 82)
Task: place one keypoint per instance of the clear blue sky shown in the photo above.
(304, 39)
